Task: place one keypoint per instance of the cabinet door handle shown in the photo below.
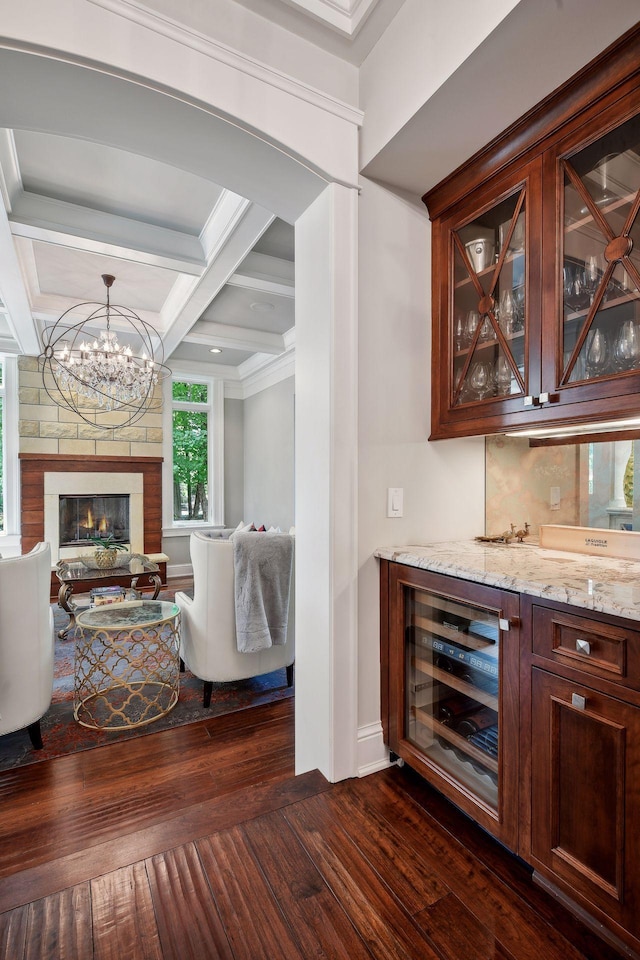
(583, 646)
(578, 701)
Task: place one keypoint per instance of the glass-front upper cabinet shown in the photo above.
(600, 282)
(483, 340)
(536, 265)
(489, 303)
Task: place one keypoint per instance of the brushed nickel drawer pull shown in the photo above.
(578, 701)
(583, 646)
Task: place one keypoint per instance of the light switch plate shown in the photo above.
(395, 501)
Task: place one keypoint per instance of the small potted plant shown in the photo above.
(106, 553)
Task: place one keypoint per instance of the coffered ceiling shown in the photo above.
(204, 266)
(207, 268)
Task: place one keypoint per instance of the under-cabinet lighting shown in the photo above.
(577, 429)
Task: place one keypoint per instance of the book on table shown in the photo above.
(103, 595)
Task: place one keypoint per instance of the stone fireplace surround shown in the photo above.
(142, 475)
(66, 483)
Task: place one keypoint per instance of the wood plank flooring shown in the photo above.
(200, 843)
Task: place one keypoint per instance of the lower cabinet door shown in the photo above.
(586, 795)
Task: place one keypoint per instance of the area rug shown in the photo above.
(62, 734)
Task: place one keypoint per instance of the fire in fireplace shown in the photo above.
(83, 517)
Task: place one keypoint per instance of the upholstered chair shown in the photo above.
(208, 633)
(26, 641)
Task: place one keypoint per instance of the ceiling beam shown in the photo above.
(35, 217)
(230, 337)
(265, 274)
(234, 231)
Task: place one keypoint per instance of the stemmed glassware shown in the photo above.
(472, 322)
(481, 380)
(507, 312)
(626, 349)
(486, 330)
(597, 353)
(502, 375)
(592, 275)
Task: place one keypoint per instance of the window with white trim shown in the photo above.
(193, 447)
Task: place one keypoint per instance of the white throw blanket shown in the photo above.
(262, 570)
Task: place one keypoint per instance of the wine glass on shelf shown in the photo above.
(592, 275)
(480, 380)
(472, 322)
(459, 332)
(502, 375)
(626, 349)
(597, 353)
(507, 313)
(568, 285)
(486, 330)
(519, 313)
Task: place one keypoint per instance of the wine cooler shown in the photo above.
(453, 685)
(453, 692)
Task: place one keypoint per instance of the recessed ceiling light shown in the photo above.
(262, 306)
(215, 350)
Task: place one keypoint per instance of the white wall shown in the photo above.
(422, 46)
(268, 456)
(233, 462)
(443, 481)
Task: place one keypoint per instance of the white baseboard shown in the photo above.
(373, 754)
(179, 570)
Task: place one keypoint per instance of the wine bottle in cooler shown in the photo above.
(480, 720)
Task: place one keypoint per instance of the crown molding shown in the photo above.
(142, 15)
(344, 16)
(266, 372)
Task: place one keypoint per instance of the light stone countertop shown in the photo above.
(593, 583)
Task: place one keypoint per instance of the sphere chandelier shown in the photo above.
(107, 385)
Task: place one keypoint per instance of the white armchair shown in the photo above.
(208, 622)
(26, 641)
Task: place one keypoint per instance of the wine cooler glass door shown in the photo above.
(452, 680)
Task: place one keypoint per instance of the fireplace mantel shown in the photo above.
(33, 467)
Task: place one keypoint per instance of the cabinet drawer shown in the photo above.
(600, 649)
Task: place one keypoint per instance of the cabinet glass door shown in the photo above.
(452, 680)
(489, 313)
(601, 266)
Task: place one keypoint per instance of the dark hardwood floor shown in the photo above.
(199, 842)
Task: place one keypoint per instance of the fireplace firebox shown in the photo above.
(84, 517)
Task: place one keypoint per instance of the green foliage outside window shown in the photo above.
(190, 392)
(190, 454)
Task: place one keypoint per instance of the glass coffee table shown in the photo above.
(127, 664)
(79, 572)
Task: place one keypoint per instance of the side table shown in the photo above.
(127, 663)
(76, 571)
